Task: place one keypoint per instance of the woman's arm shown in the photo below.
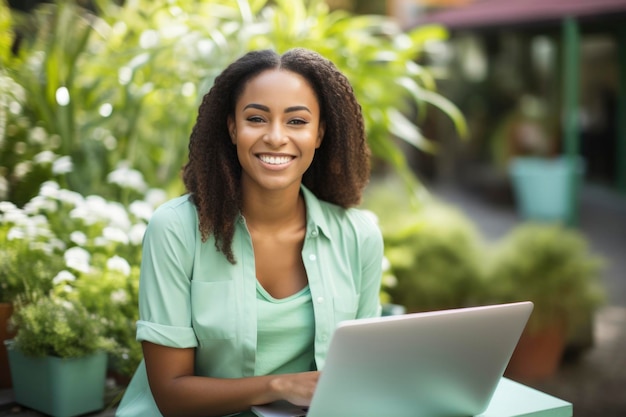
(177, 392)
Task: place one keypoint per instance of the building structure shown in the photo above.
(557, 65)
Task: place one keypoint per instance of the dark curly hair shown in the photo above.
(340, 168)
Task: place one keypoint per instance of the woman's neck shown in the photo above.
(268, 211)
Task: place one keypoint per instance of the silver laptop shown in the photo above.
(434, 364)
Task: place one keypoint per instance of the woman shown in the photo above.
(244, 279)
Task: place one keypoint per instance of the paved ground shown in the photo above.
(594, 381)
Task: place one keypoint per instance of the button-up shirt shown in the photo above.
(192, 297)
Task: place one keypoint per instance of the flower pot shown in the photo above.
(543, 187)
(538, 353)
(6, 309)
(59, 387)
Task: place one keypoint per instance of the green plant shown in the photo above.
(50, 326)
(433, 252)
(112, 81)
(27, 262)
(83, 250)
(553, 267)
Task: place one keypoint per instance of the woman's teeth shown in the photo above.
(274, 160)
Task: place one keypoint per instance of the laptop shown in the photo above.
(433, 364)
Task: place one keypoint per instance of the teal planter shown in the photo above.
(59, 387)
(546, 189)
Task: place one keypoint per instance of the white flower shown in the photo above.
(44, 157)
(62, 165)
(155, 197)
(41, 246)
(386, 264)
(77, 258)
(16, 216)
(119, 264)
(91, 210)
(7, 206)
(29, 227)
(37, 135)
(15, 233)
(117, 216)
(136, 233)
(141, 209)
(114, 234)
(38, 204)
(22, 169)
(57, 243)
(63, 276)
(70, 197)
(127, 178)
(49, 189)
(119, 296)
(78, 237)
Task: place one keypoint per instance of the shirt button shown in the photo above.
(320, 300)
(312, 257)
(314, 233)
(324, 338)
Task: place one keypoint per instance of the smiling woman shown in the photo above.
(244, 278)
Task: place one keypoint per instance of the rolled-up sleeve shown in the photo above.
(165, 280)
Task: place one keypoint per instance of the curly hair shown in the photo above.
(340, 168)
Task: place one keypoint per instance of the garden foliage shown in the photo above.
(96, 107)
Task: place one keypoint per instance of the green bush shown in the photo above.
(434, 252)
(550, 265)
(48, 326)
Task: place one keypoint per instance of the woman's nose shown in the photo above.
(276, 135)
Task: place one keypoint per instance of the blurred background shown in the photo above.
(498, 134)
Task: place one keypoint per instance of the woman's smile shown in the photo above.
(275, 160)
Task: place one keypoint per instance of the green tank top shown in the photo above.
(285, 333)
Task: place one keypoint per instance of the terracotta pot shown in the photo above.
(538, 354)
(6, 309)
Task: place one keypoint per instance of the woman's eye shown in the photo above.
(255, 119)
(297, 122)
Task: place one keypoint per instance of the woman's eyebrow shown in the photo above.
(267, 109)
(297, 108)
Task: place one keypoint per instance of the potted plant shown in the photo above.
(552, 266)
(58, 357)
(26, 267)
(543, 181)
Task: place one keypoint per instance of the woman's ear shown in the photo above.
(320, 134)
(232, 129)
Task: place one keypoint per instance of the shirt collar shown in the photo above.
(316, 220)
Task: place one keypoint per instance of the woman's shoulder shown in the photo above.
(181, 207)
(175, 214)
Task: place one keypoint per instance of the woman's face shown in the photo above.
(276, 128)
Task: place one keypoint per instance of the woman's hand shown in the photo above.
(298, 388)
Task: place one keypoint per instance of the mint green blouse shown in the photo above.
(190, 296)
